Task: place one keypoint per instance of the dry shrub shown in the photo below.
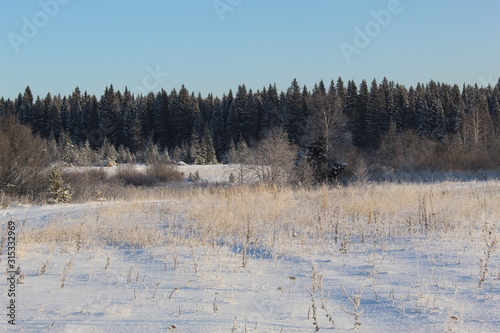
(408, 152)
(303, 175)
(89, 184)
(95, 184)
(86, 176)
(130, 175)
(166, 173)
(271, 161)
(22, 159)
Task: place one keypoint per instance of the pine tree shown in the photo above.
(110, 122)
(341, 91)
(351, 108)
(271, 109)
(424, 121)
(108, 153)
(132, 129)
(438, 115)
(386, 117)
(359, 129)
(236, 114)
(69, 152)
(162, 126)
(207, 152)
(152, 153)
(24, 112)
(374, 117)
(293, 113)
(454, 111)
(59, 192)
(123, 155)
(231, 153)
(249, 122)
(53, 151)
(74, 125)
(183, 111)
(400, 116)
(195, 154)
(242, 152)
(86, 155)
(93, 132)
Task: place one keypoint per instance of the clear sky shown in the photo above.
(212, 46)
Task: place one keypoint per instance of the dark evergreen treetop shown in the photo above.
(435, 111)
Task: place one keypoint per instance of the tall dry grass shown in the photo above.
(278, 218)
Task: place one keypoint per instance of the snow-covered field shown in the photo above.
(378, 257)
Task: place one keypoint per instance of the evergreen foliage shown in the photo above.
(59, 191)
(204, 130)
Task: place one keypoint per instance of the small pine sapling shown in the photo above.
(59, 191)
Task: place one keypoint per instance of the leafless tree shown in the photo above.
(327, 122)
(272, 160)
(477, 125)
(22, 157)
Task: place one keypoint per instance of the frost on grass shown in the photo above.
(375, 257)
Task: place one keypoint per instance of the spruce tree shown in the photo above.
(59, 192)
(454, 111)
(123, 155)
(183, 111)
(293, 113)
(195, 153)
(359, 128)
(351, 109)
(373, 117)
(208, 155)
(108, 153)
(69, 152)
(110, 122)
(341, 91)
(231, 153)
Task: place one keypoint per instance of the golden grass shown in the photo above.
(276, 216)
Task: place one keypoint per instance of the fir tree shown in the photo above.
(359, 129)
(110, 122)
(183, 111)
(59, 192)
(195, 153)
(123, 155)
(69, 152)
(293, 113)
(207, 151)
(231, 153)
(108, 153)
(87, 154)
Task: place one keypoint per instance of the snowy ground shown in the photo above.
(87, 269)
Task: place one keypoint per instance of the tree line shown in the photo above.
(433, 125)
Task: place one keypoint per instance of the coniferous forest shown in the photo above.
(432, 126)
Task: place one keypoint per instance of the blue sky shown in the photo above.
(148, 45)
